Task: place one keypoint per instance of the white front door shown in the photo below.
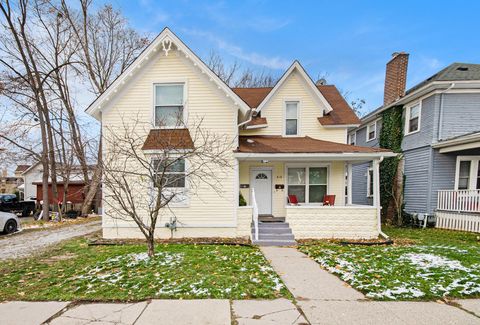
(262, 183)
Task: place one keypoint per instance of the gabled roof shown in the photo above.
(21, 168)
(279, 144)
(296, 66)
(163, 42)
(341, 113)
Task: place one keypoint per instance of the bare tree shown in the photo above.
(142, 187)
(235, 76)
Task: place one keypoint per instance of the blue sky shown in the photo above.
(348, 41)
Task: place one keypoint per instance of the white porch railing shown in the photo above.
(459, 201)
(254, 215)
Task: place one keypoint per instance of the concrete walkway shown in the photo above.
(325, 299)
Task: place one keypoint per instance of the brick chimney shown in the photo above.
(395, 77)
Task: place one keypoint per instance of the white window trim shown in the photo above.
(407, 117)
(354, 136)
(368, 131)
(186, 202)
(474, 164)
(299, 107)
(182, 81)
(307, 181)
(369, 180)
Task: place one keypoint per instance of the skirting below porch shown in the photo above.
(349, 222)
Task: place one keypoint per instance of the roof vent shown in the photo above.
(462, 68)
(250, 141)
(321, 82)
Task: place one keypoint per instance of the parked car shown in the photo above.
(9, 223)
(10, 203)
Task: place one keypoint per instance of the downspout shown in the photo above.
(379, 216)
(440, 118)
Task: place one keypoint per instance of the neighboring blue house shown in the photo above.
(441, 143)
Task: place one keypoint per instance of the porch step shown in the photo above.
(268, 219)
(274, 234)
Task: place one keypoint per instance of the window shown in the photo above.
(372, 131)
(291, 118)
(412, 119)
(261, 176)
(169, 104)
(370, 184)
(352, 138)
(468, 173)
(308, 184)
(173, 172)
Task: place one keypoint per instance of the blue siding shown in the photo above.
(416, 170)
(361, 139)
(359, 184)
(461, 115)
(423, 137)
(443, 176)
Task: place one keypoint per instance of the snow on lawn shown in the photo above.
(403, 272)
(195, 271)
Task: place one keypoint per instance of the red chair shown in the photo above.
(292, 199)
(329, 200)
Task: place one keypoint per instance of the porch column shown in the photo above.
(376, 183)
(349, 184)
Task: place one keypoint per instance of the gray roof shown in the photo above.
(454, 72)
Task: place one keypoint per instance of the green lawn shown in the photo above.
(76, 271)
(424, 264)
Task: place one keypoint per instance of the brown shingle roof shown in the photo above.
(21, 168)
(161, 139)
(279, 144)
(341, 114)
(257, 120)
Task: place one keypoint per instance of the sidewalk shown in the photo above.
(325, 299)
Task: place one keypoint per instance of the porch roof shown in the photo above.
(272, 145)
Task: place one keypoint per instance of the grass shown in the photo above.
(424, 264)
(76, 271)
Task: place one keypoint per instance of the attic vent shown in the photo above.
(462, 68)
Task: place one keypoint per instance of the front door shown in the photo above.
(262, 183)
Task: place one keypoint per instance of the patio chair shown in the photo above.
(329, 200)
(292, 199)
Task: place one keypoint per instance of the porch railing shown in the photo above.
(459, 201)
(254, 215)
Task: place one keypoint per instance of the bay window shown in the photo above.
(291, 118)
(308, 184)
(169, 105)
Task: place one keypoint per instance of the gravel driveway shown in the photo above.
(28, 243)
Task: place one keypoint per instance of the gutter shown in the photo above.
(250, 112)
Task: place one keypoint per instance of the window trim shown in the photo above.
(370, 177)
(474, 165)
(166, 82)
(407, 117)
(374, 123)
(307, 179)
(299, 105)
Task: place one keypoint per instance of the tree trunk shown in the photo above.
(95, 182)
(399, 192)
(150, 246)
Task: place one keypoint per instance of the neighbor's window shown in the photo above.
(352, 138)
(468, 173)
(370, 182)
(372, 131)
(173, 172)
(413, 118)
(309, 184)
(169, 105)
(291, 118)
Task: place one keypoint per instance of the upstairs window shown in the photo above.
(169, 103)
(291, 118)
(371, 131)
(352, 138)
(412, 119)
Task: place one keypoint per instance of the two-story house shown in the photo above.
(291, 150)
(440, 144)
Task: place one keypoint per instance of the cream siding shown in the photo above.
(295, 88)
(206, 207)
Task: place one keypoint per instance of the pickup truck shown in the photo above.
(10, 203)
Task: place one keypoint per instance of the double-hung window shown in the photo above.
(170, 173)
(371, 131)
(291, 118)
(370, 182)
(308, 184)
(169, 105)
(468, 173)
(412, 118)
(352, 138)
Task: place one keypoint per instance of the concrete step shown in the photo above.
(271, 219)
(273, 231)
(270, 225)
(268, 242)
(276, 236)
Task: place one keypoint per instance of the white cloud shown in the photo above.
(238, 52)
